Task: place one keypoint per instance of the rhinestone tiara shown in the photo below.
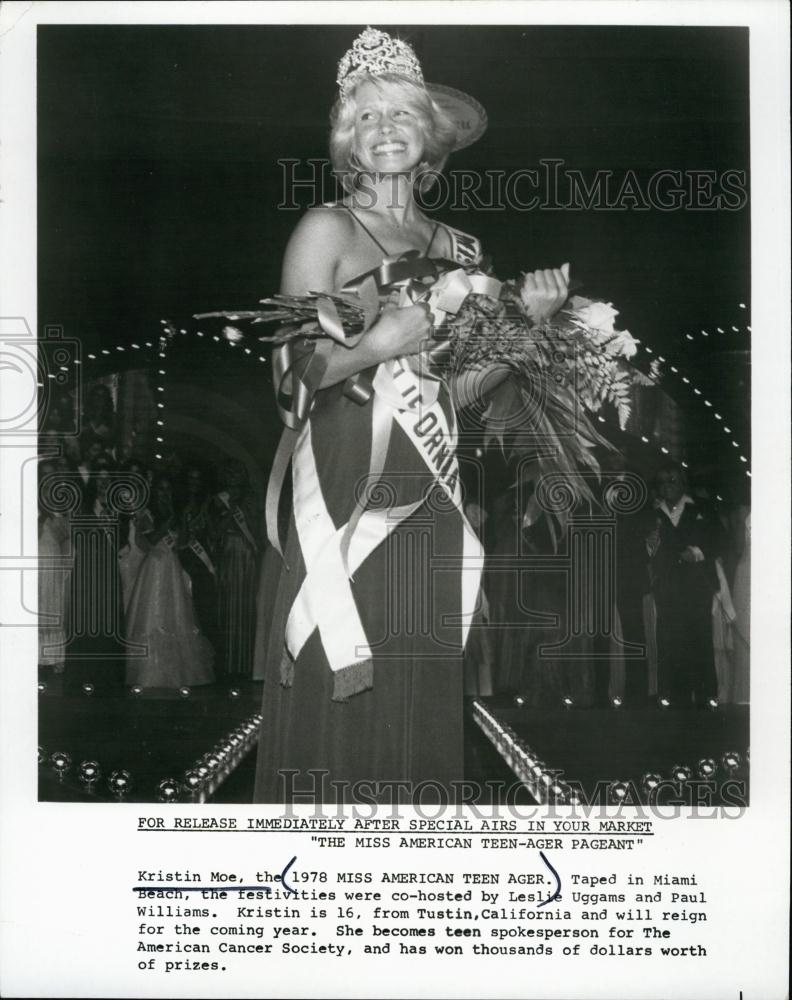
(373, 53)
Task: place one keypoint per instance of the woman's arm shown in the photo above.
(311, 263)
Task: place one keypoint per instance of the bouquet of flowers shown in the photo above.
(559, 371)
(554, 373)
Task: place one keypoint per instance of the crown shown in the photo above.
(373, 53)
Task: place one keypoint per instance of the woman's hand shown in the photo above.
(544, 292)
(399, 332)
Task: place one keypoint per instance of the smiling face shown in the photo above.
(388, 133)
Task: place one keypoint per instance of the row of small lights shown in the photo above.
(232, 342)
(543, 783)
(169, 332)
(161, 373)
(694, 389)
(231, 337)
(719, 329)
(211, 769)
(525, 762)
(204, 776)
(679, 776)
(136, 690)
(616, 701)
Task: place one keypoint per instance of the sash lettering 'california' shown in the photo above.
(325, 599)
(438, 443)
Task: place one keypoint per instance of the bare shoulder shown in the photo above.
(314, 250)
(325, 223)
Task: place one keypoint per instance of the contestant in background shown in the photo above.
(235, 541)
(741, 627)
(99, 417)
(364, 671)
(161, 619)
(684, 546)
(195, 550)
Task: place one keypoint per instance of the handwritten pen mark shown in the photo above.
(557, 893)
(282, 877)
(170, 887)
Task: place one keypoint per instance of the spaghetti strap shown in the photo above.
(431, 241)
(365, 229)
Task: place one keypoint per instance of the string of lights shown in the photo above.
(234, 341)
(697, 393)
(545, 786)
(199, 782)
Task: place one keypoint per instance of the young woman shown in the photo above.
(195, 551)
(363, 675)
(235, 541)
(171, 650)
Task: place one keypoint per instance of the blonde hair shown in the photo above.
(439, 132)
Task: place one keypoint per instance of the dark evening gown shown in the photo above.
(199, 566)
(237, 578)
(407, 727)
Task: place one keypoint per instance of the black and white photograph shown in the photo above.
(393, 408)
(559, 543)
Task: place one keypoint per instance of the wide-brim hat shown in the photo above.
(464, 111)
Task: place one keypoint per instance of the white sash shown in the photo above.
(436, 442)
(325, 599)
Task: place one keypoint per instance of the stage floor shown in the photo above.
(157, 735)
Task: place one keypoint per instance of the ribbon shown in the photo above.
(387, 398)
(366, 294)
(438, 450)
(411, 265)
(299, 365)
(331, 556)
(325, 599)
(451, 286)
(297, 371)
(280, 466)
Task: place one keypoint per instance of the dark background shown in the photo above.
(159, 182)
